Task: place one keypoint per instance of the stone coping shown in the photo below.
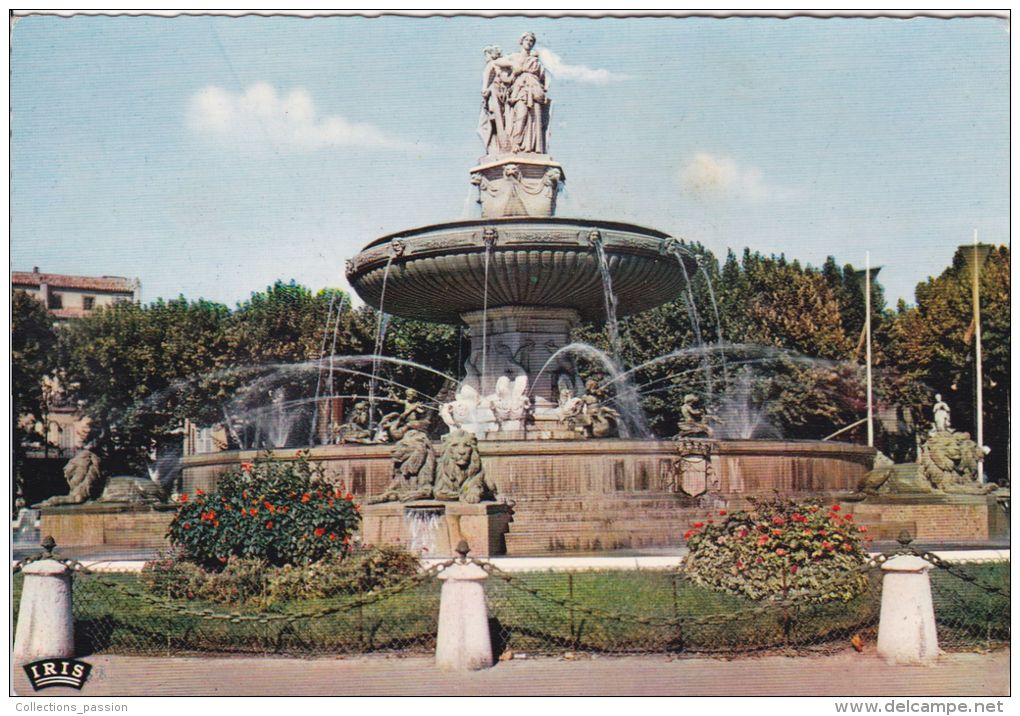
(516, 448)
(530, 221)
(580, 564)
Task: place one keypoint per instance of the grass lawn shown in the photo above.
(108, 619)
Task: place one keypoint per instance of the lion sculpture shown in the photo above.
(414, 467)
(84, 478)
(460, 475)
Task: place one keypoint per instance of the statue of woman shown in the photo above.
(495, 91)
(528, 100)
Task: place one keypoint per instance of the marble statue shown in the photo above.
(460, 476)
(84, 478)
(355, 430)
(496, 81)
(694, 421)
(587, 415)
(412, 416)
(940, 416)
(526, 107)
(511, 403)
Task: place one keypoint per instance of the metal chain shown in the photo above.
(943, 564)
(772, 604)
(238, 617)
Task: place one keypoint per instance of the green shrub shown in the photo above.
(364, 570)
(779, 547)
(257, 583)
(279, 512)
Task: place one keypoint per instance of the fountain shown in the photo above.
(565, 467)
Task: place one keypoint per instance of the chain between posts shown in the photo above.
(905, 548)
(796, 599)
(238, 617)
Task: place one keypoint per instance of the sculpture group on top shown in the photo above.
(515, 101)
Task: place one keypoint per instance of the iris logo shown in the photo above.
(58, 672)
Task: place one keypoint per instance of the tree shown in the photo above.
(141, 370)
(32, 359)
(933, 342)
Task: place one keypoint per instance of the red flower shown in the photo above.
(797, 517)
(763, 540)
(199, 492)
(347, 539)
(722, 513)
(711, 522)
(777, 520)
(269, 506)
(847, 547)
(253, 511)
(848, 518)
(246, 467)
(780, 551)
(793, 569)
(807, 533)
(688, 534)
(319, 531)
(186, 525)
(744, 533)
(305, 498)
(862, 528)
(698, 525)
(835, 508)
(349, 497)
(828, 546)
(216, 523)
(740, 564)
(332, 536)
(777, 533)
(759, 560)
(269, 525)
(823, 533)
(184, 497)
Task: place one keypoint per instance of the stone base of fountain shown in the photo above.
(483, 526)
(934, 518)
(107, 524)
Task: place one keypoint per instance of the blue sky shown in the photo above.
(211, 156)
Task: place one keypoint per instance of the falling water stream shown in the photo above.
(612, 325)
(378, 339)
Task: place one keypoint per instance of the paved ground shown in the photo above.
(842, 674)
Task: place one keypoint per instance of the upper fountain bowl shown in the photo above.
(437, 273)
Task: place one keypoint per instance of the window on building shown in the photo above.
(56, 300)
(88, 302)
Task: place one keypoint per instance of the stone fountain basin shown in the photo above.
(438, 272)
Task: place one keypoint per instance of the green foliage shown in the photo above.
(365, 569)
(258, 584)
(932, 344)
(141, 370)
(32, 355)
(779, 547)
(282, 512)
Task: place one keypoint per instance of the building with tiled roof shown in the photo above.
(69, 297)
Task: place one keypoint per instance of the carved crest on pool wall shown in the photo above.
(691, 470)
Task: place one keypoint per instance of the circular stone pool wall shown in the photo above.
(602, 494)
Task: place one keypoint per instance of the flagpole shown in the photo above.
(975, 273)
(867, 352)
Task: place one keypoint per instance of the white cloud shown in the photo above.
(579, 73)
(263, 116)
(711, 176)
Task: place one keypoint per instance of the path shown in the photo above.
(842, 674)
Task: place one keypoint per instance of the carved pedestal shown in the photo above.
(517, 185)
(443, 524)
(520, 338)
